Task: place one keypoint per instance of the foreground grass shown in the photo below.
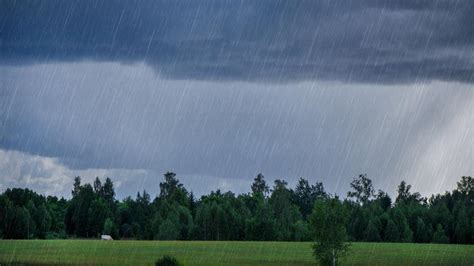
(94, 252)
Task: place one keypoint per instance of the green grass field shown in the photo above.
(94, 252)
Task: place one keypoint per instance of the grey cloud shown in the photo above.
(221, 90)
(351, 41)
(109, 116)
(47, 175)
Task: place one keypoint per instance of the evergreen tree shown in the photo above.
(439, 235)
(259, 186)
(407, 234)
(462, 228)
(383, 200)
(372, 232)
(301, 231)
(80, 216)
(261, 226)
(97, 215)
(43, 221)
(168, 230)
(391, 232)
(97, 186)
(285, 213)
(422, 232)
(305, 195)
(110, 228)
(172, 190)
(77, 186)
(107, 192)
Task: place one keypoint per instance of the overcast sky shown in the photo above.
(218, 91)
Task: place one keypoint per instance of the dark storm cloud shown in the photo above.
(221, 90)
(363, 41)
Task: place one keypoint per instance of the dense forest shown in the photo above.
(278, 213)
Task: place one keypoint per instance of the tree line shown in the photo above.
(279, 213)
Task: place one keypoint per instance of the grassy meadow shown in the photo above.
(94, 252)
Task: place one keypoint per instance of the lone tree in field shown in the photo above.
(328, 222)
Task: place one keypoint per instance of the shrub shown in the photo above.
(167, 261)
(56, 235)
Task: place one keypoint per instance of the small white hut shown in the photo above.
(106, 237)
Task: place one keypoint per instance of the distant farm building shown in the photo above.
(106, 237)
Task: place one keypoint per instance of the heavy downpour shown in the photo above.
(237, 132)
